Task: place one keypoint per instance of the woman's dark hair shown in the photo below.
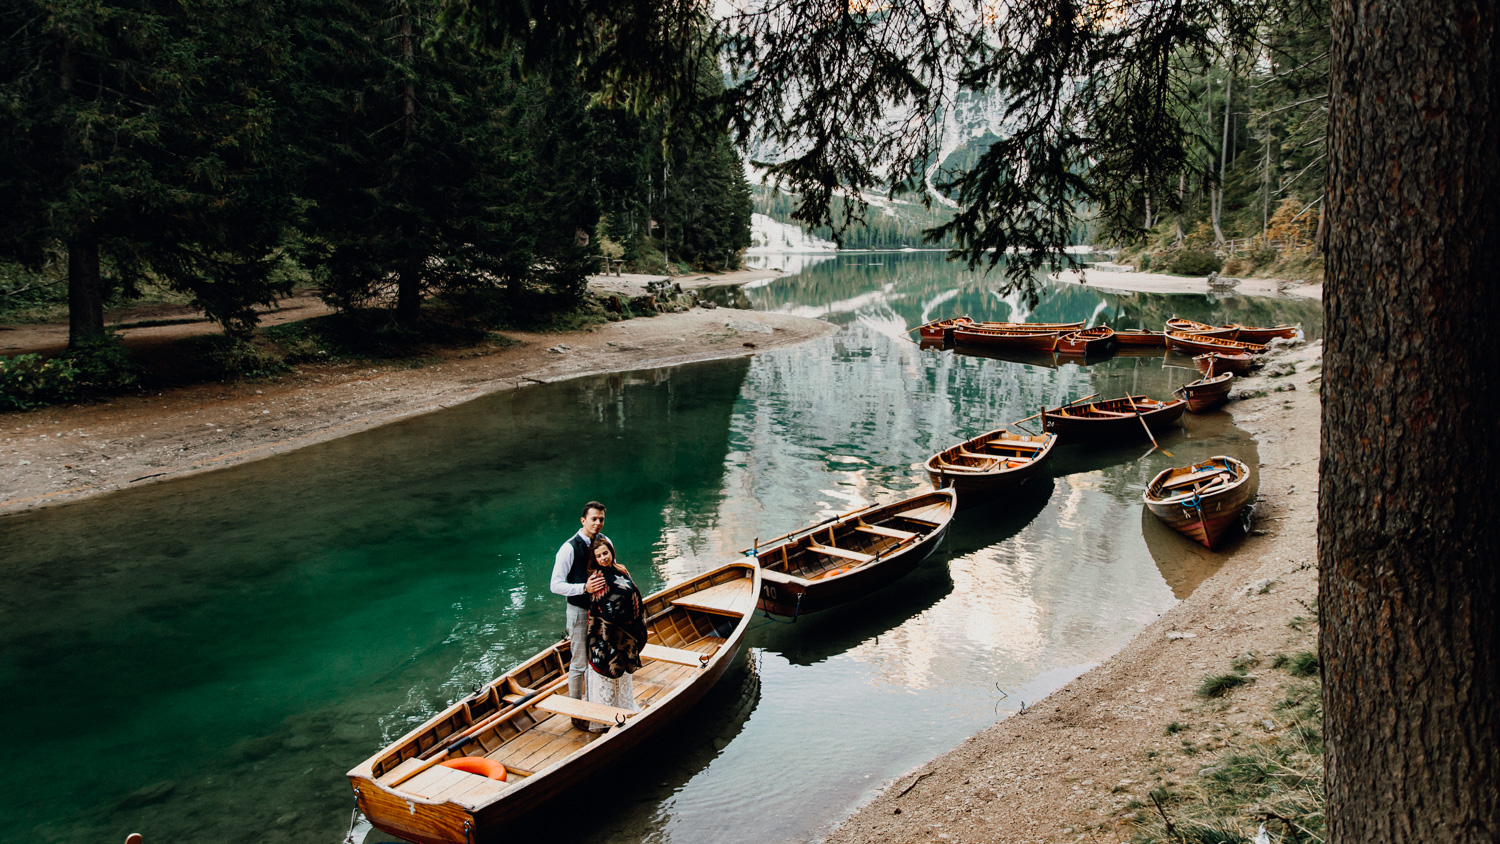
(592, 505)
(594, 561)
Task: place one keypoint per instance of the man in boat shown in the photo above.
(570, 579)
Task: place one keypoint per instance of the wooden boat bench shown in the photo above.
(830, 551)
(877, 530)
(588, 711)
(976, 456)
(678, 656)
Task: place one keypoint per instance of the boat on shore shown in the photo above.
(990, 463)
(852, 555)
(1140, 337)
(1198, 344)
(522, 726)
(941, 331)
(1110, 418)
(1005, 338)
(1202, 501)
(1206, 393)
(1187, 326)
(1088, 341)
(1265, 335)
(1211, 363)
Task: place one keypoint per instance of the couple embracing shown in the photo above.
(606, 623)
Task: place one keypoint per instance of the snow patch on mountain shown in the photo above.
(770, 236)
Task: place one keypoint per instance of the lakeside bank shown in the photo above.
(1081, 764)
(68, 453)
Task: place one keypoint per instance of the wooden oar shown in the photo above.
(1069, 404)
(474, 729)
(1154, 443)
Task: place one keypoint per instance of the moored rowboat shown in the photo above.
(1187, 326)
(942, 330)
(524, 721)
(1138, 337)
(1206, 393)
(1031, 326)
(1110, 418)
(1202, 501)
(1266, 335)
(1005, 338)
(852, 555)
(990, 463)
(1210, 363)
(1089, 341)
(1197, 343)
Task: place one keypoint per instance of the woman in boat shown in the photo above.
(616, 634)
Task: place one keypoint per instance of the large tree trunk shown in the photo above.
(85, 292)
(409, 293)
(1409, 525)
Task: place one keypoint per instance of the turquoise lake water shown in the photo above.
(203, 659)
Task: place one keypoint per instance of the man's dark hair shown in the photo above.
(592, 505)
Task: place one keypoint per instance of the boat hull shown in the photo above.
(976, 481)
(1187, 326)
(1147, 339)
(1214, 363)
(1207, 393)
(1265, 335)
(1092, 341)
(489, 816)
(788, 594)
(1198, 344)
(1078, 423)
(1207, 517)
(941, 331)
(994, 338)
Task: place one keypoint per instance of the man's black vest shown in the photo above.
(583, 553)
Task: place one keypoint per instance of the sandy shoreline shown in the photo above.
(61, 454)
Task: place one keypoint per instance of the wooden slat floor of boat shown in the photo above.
(934, 513)
(728, 598)
(440, 783)
(681, 656)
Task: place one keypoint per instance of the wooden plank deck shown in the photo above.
(728, 598)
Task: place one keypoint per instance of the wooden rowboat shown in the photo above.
(1089, 341)
(1031, 326)
(942, 330)
(1110, 418)
(1265, 335)
(1138, 337)
(524, 720)
(1210, 363)
(990, 463)
(1004, 338)
(1187, 326)
(1206, 393)
(852, 555)
(1198, 344)
(1202, 501)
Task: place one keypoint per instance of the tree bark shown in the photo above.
(1218, 207)
(1408, 520)
(85, 292)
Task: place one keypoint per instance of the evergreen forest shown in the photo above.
(221, 154)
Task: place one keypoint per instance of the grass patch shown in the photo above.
(1278, 783)
(1218, 685)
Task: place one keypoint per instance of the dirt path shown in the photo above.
(60, 454)
(1076, 766)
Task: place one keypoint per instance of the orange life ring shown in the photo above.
(477, 765)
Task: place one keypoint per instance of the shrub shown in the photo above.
(1145, 263)
(28, 381)
(1194, 262)
(227, 358)
(102, 365)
